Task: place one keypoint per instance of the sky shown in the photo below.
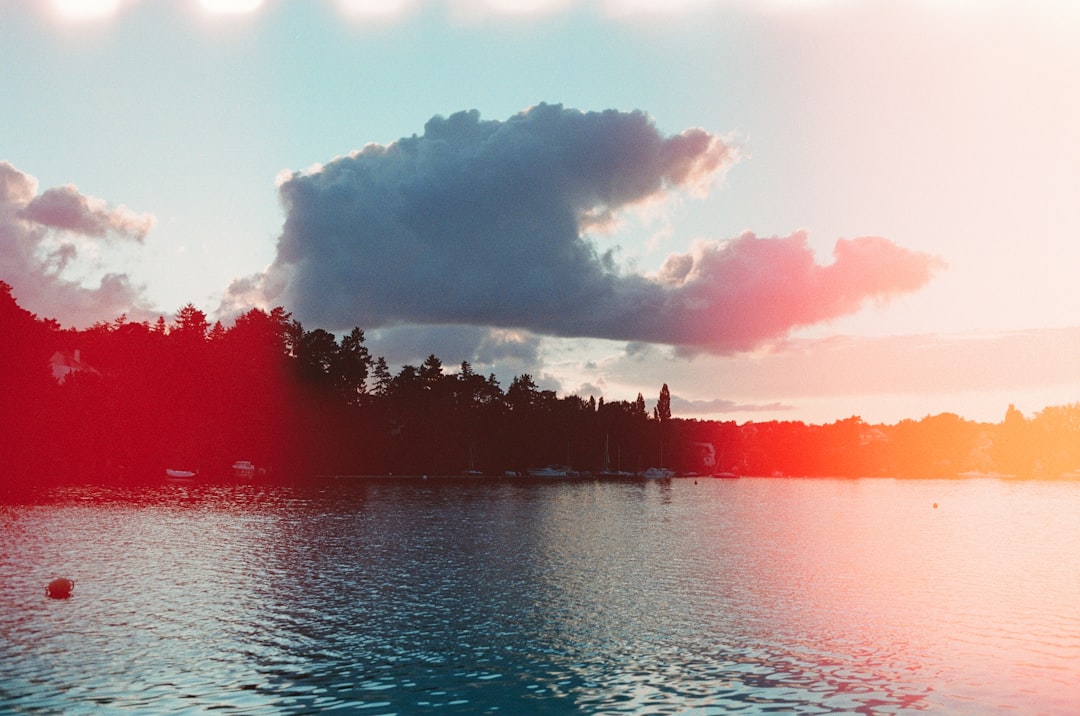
(783, 209)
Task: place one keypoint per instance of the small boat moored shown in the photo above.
(243, 468)
(549, 471)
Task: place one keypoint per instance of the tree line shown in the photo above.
(143, 396)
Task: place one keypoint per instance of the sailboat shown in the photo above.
(471, 470)
(607, 471)
(658, 473)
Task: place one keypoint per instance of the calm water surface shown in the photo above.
(532, 596)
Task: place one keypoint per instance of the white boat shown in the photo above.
(657, 473)
(172, 474)
(549, 471)
(243, 468)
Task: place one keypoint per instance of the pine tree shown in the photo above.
(380, 374)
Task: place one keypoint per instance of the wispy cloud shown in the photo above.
(690, 408)
(41, 235)
(940, 364)
(485, 222)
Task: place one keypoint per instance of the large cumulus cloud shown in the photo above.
(43, 234)
(484, 222)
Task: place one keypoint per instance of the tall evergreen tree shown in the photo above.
(316, 354)
(522, 393)
(352, 366)
(663, 405)
(431, 371)
(191, 322)
(380, 374)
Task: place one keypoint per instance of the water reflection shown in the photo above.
(692, 609)
(547, 597)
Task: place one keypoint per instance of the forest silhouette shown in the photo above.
(125, 400)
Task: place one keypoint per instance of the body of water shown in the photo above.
(545, 596)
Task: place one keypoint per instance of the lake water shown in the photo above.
(545, 597)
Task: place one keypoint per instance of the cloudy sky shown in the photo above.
(783, 209)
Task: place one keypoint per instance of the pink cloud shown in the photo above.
(33, 258)
(739, 294)
(65, 208)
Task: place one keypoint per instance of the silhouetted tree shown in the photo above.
(196, 394)
(1057, 432)
(27, 390)
(381, 377)
(352, 366)
(431, 371)
(217, 332)
(316, 356)
(522, 395)
(663, 405)
(191, 323)
(1014, 450)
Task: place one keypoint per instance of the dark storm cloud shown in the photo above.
(36, 232)
(482, 222)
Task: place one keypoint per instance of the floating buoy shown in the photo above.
(59, 588)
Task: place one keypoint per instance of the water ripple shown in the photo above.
(485, 597)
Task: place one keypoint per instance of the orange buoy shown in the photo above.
(59, 588)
